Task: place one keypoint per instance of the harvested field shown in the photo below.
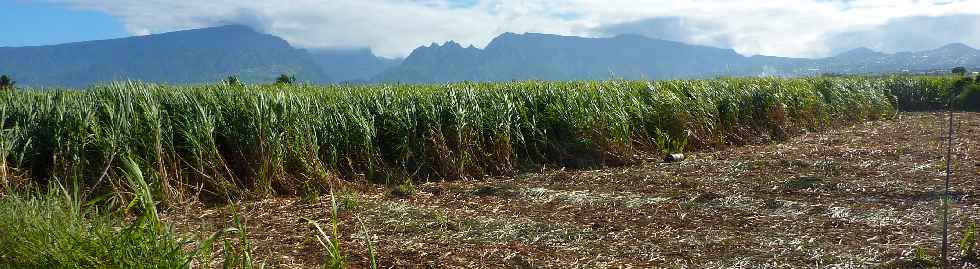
(858, 196)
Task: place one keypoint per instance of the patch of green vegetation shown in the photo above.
(311, 193)
(902, 151)
(349, 199)
(669, 144)
(237, 255)
(939, 165)
(969, 98)
(54, 229)
(968, 244)
(335, 258)
(923, 259)
(285, 79)
(404, 189)
(6, 84)
(233, 81)
(921, 93)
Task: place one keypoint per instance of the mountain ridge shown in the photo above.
(512, 56)
(208, 55)
(182, 57)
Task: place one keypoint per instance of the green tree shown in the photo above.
(959, 86)
(6, 83)
(285, 79)
(959, 71)
(969, 98)
(234, 81)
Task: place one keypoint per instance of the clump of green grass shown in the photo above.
(922, 259)
(237, 253)
(968, 244)
(349, 200)
(333, 252)
(404, 189)
(53, 228)
(311, 194)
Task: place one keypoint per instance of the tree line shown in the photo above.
(966, 91)
(8, 84)
(283, 79)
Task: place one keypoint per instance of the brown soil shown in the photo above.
(859, 196)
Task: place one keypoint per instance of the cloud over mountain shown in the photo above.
(800, 28)
(911, 34)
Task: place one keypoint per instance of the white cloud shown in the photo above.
(395, 27)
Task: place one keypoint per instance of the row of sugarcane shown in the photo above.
(233, 141)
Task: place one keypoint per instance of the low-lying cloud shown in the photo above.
(799, 28)
(680, 29)
(911, 34)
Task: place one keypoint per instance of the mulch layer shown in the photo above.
(859, 196)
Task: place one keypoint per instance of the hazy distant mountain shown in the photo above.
(866, 61)
(433, 63)
(553, 57)
(352, 65)
(212, 54)
(192, 56)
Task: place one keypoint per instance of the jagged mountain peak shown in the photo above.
(511, 56)
(452, 44)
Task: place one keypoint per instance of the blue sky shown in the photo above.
(393, 28)
(33, 23)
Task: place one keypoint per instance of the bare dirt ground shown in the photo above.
(859, 196)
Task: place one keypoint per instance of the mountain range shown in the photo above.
(191, 56)
(553, 57)
(210, 54)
